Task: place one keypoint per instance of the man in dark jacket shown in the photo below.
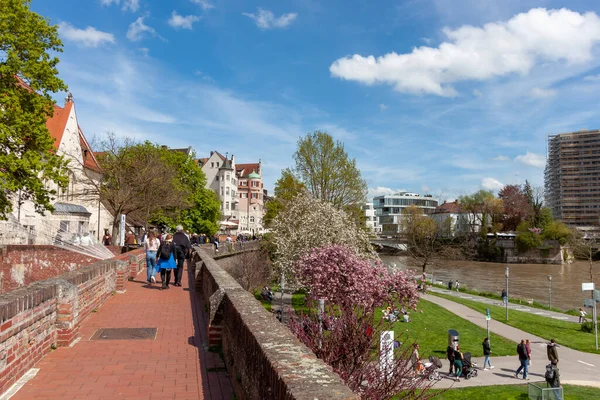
(487, 351)
(552, 352)
(523, 358)
(181, 240)
(450, 357)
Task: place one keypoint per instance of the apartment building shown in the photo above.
(572, 177)
(389, 208)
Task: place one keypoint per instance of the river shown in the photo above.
(526, 281)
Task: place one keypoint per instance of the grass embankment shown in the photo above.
(568, 334)
(520, 300)
(429, 327)
(513, 392)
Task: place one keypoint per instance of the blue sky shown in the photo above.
(436, 96)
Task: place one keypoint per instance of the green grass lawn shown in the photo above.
(566, 333)
(430, 329)
(513, 392)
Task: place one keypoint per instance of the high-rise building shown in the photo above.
(572, 177)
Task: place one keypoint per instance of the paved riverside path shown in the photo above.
(575, 367)
(511, 306)
(173, 366)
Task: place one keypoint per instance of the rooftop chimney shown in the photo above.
(69, 98)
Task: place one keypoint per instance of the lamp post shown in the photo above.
(506, 305)
(549, 291)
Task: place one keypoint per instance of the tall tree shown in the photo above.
(517, 207)
(535, 198)
(287, 187)
(421, 234)
(328, 172)
(484, 209)
(28, 76)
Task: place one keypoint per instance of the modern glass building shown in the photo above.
(389, 207)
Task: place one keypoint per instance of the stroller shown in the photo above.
(431, 369)
(468, 367)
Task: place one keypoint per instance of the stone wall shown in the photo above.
(47, 313)
(264, 359)
(21, 265)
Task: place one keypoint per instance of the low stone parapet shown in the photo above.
(264, 359)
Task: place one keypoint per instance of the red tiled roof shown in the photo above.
(57, 123)
(221, 155)
(89, 159)
(447, 208)
(246, 169)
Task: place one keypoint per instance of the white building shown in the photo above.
(371, 222)
(453, 221)
(77, 208)
(240, 190)
(389, 208)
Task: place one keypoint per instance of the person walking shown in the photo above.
(504, 296)
(522, 352)
(528, 350)
(183, 243)
(456, 285)
(151, 246)
(415, 360)
(582, 315)
(487, 352)
(167, 254)
(107, 238)
(552, 352)
(450, 357)
(458, 359)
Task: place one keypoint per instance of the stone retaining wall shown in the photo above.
(264, 359)
(47, 313)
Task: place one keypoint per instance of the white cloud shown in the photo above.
(532, 159)
(491, 184)
(540, 93)
(265, 19)
(383, 107)
(480, 53)
(109, 2)
(381, 190)
(131, 5)
(88, 37)
(205, 4)
(501, 158)
(137, 30)
(592, 78)
(477, 93)
(427, 40)
(179, 21)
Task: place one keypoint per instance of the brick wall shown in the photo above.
(264, 359)
(48, 313)
(21, 265)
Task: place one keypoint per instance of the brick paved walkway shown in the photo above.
(169, 367)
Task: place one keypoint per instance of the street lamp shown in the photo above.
(506, 305)
(549, 291)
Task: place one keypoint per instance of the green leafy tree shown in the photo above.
(484, 209)
(27, 156)
(328, 172)
(535, 198)
(287, 187)
(556, 230)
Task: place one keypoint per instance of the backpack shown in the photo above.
(551, 373)
(165, 251)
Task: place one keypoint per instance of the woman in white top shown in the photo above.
(151, 245)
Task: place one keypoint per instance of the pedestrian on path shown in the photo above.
(151, 245)
(450, 357)
(183, 243)
(167, 253)
(582, 315)
(528, 349)
(458, 359)
(552, 352)
(456, 284)
(504, 296)
(522, 352)
(487, 352)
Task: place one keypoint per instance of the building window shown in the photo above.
(227, 206)
(221, 191)
(217, 178)
(251, 220)
(227, 177)
(212, 164)
(64, 226)
(217, 164)
(244, 183)
(227, 191)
